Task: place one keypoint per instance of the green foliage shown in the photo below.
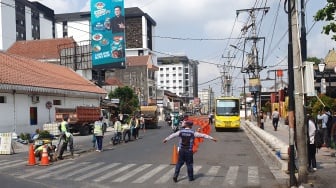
(25, 136)
(314, 105)
(44, 134)
(314, 59)
(128, 100)
(328, 14)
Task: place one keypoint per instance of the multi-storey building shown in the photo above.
(24, 20)
(178, 74)
(207, 98)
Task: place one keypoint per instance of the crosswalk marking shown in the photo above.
(8, 164)
(132, 173)
(196, 169)
(100, 170)
(165, 177)
(150, 174)
(252, 176)
(231, 177)
(108, 175)
(64, 169)
(38, 172)
(135, 173)
(65, 176)
(210, 175)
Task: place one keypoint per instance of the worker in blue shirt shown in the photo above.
(185, 154)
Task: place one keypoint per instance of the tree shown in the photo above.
(327, 14)
(128, 100)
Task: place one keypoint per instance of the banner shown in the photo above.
(5, 143)
(108, 34)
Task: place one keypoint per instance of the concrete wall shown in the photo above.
(15, 113)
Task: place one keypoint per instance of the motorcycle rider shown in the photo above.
(176, 122)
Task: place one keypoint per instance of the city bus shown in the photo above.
(227, 113)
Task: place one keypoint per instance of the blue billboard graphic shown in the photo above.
(108, 34)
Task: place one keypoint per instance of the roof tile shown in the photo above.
(19, 70)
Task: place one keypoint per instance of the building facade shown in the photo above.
(179, 75)
(207, 100)
(24, 20)
(30, 91)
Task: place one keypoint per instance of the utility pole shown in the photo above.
(253, 62)
(296, 98)
(227, 78)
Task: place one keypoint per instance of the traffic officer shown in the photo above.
(185, 154)
(99, 133)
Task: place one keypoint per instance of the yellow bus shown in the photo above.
(227, 113)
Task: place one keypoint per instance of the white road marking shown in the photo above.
(253, 176)
(231, 177)
(78, 171)
(108, 175)
(165, 178)
(64, 169)
(132, 173)
(100, 170)
(48, 169)
(210, 175)
(150, 174)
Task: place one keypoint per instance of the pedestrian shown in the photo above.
(275, 119)
(333, 133)
(118, 128)
(261, 119)
(311, 144)
(99, 133)
(65, 140)
(142, 123)
(210, 116)
(133, 124)
(185, 154)
(324, 116)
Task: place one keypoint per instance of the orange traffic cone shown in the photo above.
(45, 158)
(31, 156)
(174, 156)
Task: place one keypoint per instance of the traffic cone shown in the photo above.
(174, 156)
(31, 156)
(45, 158)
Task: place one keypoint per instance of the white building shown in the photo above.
(207, 100)
(24, 20)
(178, 75)
(30, 91)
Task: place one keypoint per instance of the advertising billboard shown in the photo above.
(108, 34)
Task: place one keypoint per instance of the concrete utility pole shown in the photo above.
(296, 98)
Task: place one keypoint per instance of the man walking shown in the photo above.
(99, 133)
(185, 154)
(275, 119)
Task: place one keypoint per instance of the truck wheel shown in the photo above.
(84, 131)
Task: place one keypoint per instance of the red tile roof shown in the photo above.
(41, 49)
(113, 81)
(145, 60)
(19, 70)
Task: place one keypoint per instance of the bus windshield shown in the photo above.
(227, 107)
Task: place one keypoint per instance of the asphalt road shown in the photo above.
(233, 161)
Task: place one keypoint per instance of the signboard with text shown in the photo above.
(108, 34)
(5, 143)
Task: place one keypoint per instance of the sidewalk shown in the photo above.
(326, 164)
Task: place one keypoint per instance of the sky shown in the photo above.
(206, 30)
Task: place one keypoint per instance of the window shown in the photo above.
(180, 68)
(3, 99)
(57, 102)
(161, 69)
(167, 75)
(186, 70)
(174, 81)
(186, 76)
(161, 75)
(167, 69)
(174, 75)
(167, 81)
(174, 68)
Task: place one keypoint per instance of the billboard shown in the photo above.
(108, 34)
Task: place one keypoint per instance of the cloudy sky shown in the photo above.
(204, 30)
